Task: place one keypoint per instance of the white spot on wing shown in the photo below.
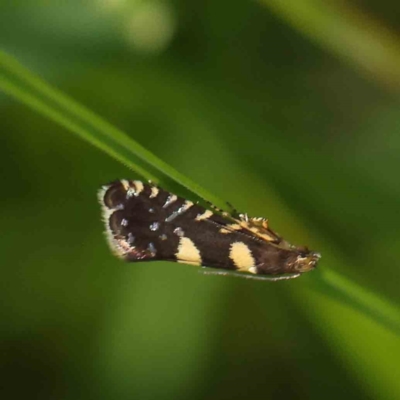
(179, 231)
(152, 249)
(154, 226)
(241, 256)
(171, 199)
(180, 211)
(188, 252)
(131, 238)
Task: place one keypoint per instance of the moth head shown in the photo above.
(285, 259)
(305, 260)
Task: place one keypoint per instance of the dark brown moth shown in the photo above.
(146, 223)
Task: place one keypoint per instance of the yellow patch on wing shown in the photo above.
(241, 256)
(154, 192)
(188, 252)
(235, 227)
(205, 215)
(138, 186)
(187, 204)
(260, 228)
(125, 184)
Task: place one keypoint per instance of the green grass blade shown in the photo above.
(344, 30)
(330, 283)
(70, 125)
(23, 85)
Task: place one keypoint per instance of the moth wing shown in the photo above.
(122, 248)
(251, 227)
(259, 227)
(128, 212)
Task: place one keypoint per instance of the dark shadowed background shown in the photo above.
(286, 113)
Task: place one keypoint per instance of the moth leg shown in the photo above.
(208, 271)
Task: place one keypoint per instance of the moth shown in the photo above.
(146, 223)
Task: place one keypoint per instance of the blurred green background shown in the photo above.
(288, 110)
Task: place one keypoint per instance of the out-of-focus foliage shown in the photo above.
(242, 103)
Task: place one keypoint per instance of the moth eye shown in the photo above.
(124, 222)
